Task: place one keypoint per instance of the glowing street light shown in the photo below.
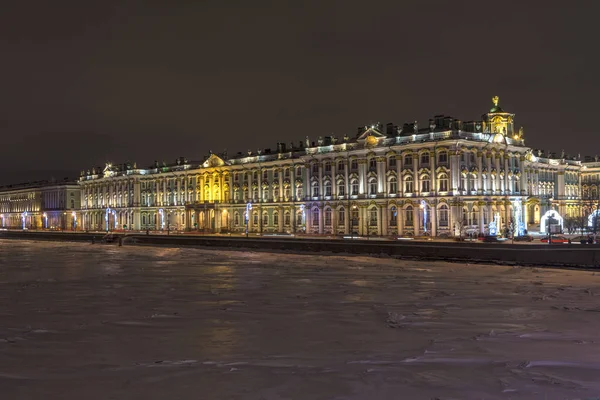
(247, 215)
(424, 207)
(24, 217)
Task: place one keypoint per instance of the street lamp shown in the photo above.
(247, 215)
(354, 220)
(424, 208)
(161, 212)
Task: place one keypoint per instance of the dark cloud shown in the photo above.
(87, 82)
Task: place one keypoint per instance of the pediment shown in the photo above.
(213, 161)
(370, 134)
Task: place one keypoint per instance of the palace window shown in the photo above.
(236, 218)
(315, 168)
(443, 157)
(299, 192)
(443, 183)
(299, 218)
(327, 188)
(443, 215)
(392, 162)
(286, 218)
(408, 184)
(354, 216)
(354, 185)
(327, 166)
(315, 189)
(286, 192)
(341, 188)
(393, 216)
(472, 158)
(265, 219)
(393, 185)
(354, 165)
(425, 158)
(373, 216)
(409, 215)
(287, 173)
(425, 183)
(408, 161)
(298, 171)
(372, 164)
(472, 182)
(265, 175)
(328, 217)
(275, 174)
(372, 186)
(275, 218)
(342, 216)
(315, 215)
(340, 166)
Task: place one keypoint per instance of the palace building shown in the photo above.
(40, 205)
(446, 178)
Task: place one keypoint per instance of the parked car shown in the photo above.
(555, 239)
(524, 238)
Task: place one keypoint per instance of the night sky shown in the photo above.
(87, 82)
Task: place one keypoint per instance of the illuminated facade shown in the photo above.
(40, 205)
(447, 178)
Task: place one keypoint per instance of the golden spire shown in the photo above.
(495, 100)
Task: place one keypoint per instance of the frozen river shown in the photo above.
(82, 321)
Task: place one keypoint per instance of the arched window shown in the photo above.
(340, 166)
(392, 162)
(315, 189)
(465, 216)
(255, 218)
(299, 192)
(443, 182)
(342, 216)
(341, 188)
(255, 194)
(425, 184)
(408, 184)
(315, 215)
(265, 219)
(372, 186)
(472, 181)
(327, 186)
(409, 215)
(286, 193)
(393, 216)
(392, 185)
(236, 218)
(354, 185)
(425, 158)
(443, 215)
(473, 219)
(275, 218)
(408, 161)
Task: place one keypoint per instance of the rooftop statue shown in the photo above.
(495, 100)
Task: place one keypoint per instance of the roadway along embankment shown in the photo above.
(582, 256)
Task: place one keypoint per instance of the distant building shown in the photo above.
(40, 205)
(447, 178)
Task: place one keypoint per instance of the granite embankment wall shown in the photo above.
(576, 255)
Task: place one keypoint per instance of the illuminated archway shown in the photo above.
(550, 214)
(594, 218)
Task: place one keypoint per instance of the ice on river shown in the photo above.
(82, 321)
